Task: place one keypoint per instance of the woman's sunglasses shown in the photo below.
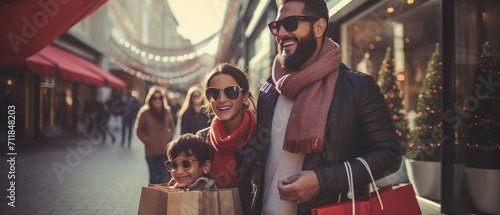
(173, 165)
(289, 23)
(156, 97)
(231, 92)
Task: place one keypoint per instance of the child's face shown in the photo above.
(186, 176)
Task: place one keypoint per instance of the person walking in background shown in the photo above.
(227, 96)
(89, 112)
(173, 102)
(116, 108)
(131, 106)
(102, 118)
(191, 114)
(314, 113)
(155, 128)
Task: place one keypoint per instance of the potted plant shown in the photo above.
(423, 153)
(389, 87)
(482, 136)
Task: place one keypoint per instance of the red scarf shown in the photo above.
(227, 145)
(312, 89)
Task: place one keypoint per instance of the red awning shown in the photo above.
(68, 69)
(27, 26)
(110, 79)
(40, 65)
(71, 67)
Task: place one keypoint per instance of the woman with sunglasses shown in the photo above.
(155, 128)
(191, 114)
(227, 96)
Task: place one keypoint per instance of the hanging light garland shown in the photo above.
(184, 75)
(123, 36)
(152, 63)
(133, 49)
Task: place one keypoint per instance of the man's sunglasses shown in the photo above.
(173, 165)
(289, 23)
(231, 92)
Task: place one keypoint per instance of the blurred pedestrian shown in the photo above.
(173, 102)
(227, 96)
(131, 107)
(102, 119)
(89, 112)
(116, 108)
(155, 128)
(191, 114)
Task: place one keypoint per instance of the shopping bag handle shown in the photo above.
(350, 181)
(350, 193)
(374, 186)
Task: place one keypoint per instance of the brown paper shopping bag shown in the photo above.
(229, 201)
(157, 199)
(164, 201)
(153, 201)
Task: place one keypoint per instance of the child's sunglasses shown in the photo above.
(289, 23)
(231, 92)
(173, 165)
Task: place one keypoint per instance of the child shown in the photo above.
(189, 162)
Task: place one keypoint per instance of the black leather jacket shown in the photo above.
(358, 125)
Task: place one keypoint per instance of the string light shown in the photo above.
(158, 57)
(178, 77)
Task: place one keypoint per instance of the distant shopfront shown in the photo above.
(50, 90)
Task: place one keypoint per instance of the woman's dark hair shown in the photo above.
(237, 74)
(158, 114)
(189, 145)
(314, 8)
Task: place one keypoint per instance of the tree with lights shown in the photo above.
(393, 97)
(483, 124)
(425, 140)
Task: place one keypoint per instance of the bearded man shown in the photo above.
(313, 114)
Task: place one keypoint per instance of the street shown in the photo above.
(71, 175)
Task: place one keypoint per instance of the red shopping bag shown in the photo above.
(343, 208)
(396, 201)
(363, 205)
(401, 200)
(383, 201)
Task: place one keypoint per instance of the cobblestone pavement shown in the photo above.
(72, 175)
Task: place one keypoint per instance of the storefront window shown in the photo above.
(413, 32)
(410, 30)
(259, 65)
(477, 104)
(12, 94)
(47, 107)
(399, 43)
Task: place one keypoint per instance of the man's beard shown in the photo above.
(305, 48)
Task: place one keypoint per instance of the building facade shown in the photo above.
(49, 104)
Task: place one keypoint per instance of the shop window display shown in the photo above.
(412, 29)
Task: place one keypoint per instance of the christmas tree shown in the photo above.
(393, 97)
(425, 140)
(483, 124)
